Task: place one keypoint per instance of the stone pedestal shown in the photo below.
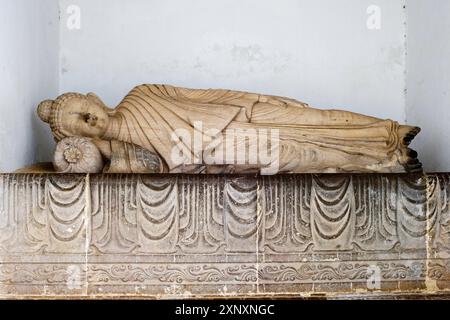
(181, 236)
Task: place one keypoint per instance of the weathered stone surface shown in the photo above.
(212, 236)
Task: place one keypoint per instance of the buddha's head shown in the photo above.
(74, 114)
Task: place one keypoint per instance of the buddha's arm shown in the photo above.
(238, 98)
(217, 96)
(247, 101)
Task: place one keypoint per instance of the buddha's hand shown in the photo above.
(77, 155)
(282, 102)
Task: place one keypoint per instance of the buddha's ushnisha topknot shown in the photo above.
(44, 110)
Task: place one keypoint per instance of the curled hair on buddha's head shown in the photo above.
(50, 111)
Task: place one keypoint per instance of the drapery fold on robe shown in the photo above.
(344, 148)
(151, 114)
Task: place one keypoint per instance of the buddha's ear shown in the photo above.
(93, 97)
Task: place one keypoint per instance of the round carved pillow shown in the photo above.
(77, 155)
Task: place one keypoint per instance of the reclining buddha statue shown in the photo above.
(162, 128)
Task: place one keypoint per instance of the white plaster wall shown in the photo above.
(320, 51)
(428, 98)
(317, 51)
(28, 74)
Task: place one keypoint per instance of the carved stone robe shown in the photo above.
(310, 140)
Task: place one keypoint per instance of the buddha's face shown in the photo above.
(84, 116)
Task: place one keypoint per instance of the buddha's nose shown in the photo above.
(90, 118)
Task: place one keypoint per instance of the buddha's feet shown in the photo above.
(409, 157)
